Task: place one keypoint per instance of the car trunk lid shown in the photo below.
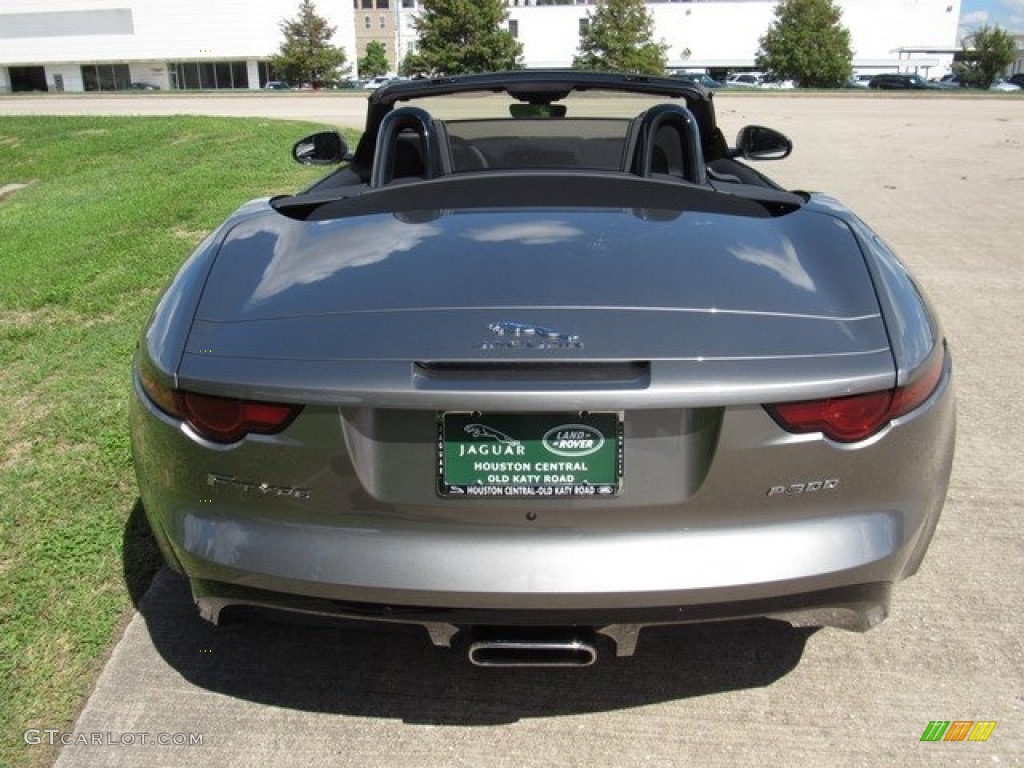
(758, 297)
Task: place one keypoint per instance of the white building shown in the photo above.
(76, 45)
(1018, 62)
(725, 34)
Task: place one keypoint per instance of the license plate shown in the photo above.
(529, 455)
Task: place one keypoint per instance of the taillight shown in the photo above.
(854, 418)
(165, 398)
(226, 420)
(219, 419)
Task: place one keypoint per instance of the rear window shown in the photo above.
(562, 143)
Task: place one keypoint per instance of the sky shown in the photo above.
(1008, 14)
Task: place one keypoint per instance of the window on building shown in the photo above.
(122, 75)
(367, 3)
(89, 80)
(239, 74)
(211, 75)
(366, 22)
(26, 79)
(584, 26)
(105, 77)
(207, 76)
(408, 3)
(222, 72)
(513, 27)
(382, 4)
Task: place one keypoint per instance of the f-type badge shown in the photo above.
(526, 336)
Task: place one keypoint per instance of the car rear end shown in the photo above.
(398, 418)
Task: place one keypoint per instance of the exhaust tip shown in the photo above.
(529, 653)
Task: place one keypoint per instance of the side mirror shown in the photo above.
(324, 148)
(755, 142)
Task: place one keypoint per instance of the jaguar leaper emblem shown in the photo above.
(525, 329)
(528, 336)
(483, 432)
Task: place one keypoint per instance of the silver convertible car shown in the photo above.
(543, 362)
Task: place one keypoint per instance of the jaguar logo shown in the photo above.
(482, 431)
(525, 329)
(503, 444)
(526, 336)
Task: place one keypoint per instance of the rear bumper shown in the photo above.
(856, 607)
(833, 571)
(440, 567)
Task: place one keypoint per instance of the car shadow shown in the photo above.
(141, 559)
(392, 671)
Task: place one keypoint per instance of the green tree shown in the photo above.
(306, 54)
(987, 52)
(619, 37)
(411, 65)
(463, 36)
(375, 62)
(807, 43)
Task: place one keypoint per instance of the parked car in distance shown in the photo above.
(1004, 86)
(376, 82)
(860, 80)
(142, 87)
(278, 85)
(949, 81)
(1017, 79)
(745, 80)
(533, 370)
(901, 81)
(700, 78)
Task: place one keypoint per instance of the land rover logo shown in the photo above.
(573, 440)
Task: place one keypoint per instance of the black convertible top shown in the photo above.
(644, 162)
(537, 86)
(545, 86)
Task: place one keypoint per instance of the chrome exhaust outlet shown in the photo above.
(569, 652)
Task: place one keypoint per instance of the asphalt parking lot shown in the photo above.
(941, 179)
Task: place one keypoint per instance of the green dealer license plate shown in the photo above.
(534, 455)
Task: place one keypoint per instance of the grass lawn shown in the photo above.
(112, 208)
